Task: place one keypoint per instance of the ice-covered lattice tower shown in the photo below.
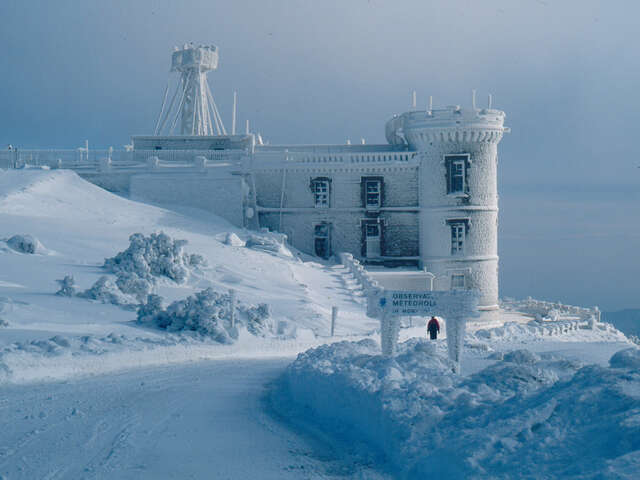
(195, 107)
(458, 151)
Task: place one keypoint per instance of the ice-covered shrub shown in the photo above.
(152, 257)
(207, 312)
(3, 323)
(259, 319)
(67, 286)
(150, 311)
(24, 244)
(132, 284)
(106, 291)
(138, 268)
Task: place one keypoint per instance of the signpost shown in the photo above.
(454, 305)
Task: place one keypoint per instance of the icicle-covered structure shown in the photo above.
(192, 102)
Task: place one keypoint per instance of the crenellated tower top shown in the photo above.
(420, 129)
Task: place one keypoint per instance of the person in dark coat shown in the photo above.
(433, 327)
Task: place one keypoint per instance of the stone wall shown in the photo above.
(220, 194)
(346, 212)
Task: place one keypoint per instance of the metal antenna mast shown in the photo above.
(196, 108)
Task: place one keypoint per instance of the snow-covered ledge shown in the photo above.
(552, 311)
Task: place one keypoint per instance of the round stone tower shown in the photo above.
(458, 195)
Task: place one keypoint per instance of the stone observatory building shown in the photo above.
(428, 198)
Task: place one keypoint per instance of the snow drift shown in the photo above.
(527, 415)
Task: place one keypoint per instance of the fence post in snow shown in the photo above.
(334, 318)
(232, 294)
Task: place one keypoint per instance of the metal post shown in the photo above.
(232, 294)
(233, 118)
(334, 317)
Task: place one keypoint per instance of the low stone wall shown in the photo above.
(354, 267)
(554, 311)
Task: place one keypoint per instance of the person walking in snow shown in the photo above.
(433, 327)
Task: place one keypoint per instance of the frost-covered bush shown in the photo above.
(138, 268)
(150, 311)
(67, 286)
(106, 291)
(24, 244)
(207, 312)
(152, 257)
(132, 284)
(259, 319)
(3, 323)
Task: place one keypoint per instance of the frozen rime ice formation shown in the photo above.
(139, 267)
(155, 256)
(526, 416)
(67, 286)
(105, 290)
(207, 312)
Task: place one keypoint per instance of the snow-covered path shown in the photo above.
(203, 420)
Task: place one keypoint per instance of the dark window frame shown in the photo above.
(364, 194)
(455, 223)
(450, 161)
(313, 184)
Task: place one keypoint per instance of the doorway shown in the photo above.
(372, 239)
(321, 240)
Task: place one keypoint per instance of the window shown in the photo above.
(373, 194)
(457, 173)
(321, 241)
(458, 230)
(321, 188)
(457, 281)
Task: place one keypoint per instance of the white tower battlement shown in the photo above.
(458, 196)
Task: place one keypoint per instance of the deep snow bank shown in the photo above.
(527, 415)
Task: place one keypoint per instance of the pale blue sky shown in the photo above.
(565, 72)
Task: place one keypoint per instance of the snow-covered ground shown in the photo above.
(87, 392)
(205, 420)
(79, 225)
